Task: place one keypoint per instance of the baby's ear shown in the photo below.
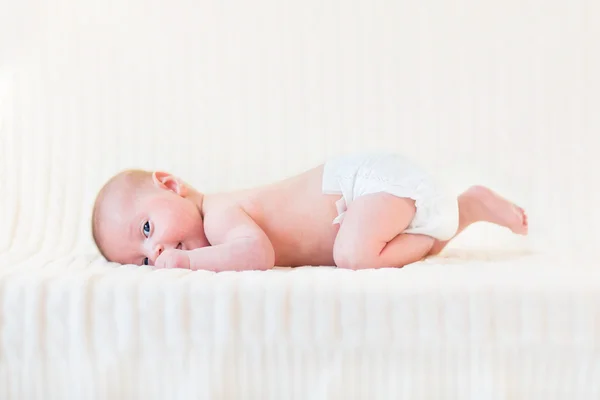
(167, 181)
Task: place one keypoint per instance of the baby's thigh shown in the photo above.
(370, 222)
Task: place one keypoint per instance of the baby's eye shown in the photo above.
(145, 262)
(146, 229)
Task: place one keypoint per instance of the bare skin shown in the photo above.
(289, 223)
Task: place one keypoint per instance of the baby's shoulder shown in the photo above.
(220, 222)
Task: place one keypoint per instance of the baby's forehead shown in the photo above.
(116, 207)
(116, 224)
(118, 203)
(117, 197)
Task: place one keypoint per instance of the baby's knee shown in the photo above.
(353, 258)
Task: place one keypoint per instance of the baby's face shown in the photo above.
(140, 225)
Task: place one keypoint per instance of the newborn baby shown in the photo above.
(359, 211)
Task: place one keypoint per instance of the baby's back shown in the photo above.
(298, 219)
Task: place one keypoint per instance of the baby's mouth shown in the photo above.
(179, 246)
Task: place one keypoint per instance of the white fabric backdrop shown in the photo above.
(232, 93)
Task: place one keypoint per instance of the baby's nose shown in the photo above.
(158, 250)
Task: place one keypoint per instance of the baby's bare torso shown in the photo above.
(295, 214)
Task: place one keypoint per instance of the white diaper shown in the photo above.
(358, 175)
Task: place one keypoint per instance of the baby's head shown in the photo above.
(138, 214)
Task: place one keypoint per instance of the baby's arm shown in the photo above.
(238, 244)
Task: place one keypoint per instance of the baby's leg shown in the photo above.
(480, 204)
(370, 234)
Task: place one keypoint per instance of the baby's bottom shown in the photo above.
(370, 235)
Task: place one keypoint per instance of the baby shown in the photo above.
(358, 211)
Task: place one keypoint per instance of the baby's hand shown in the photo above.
(173, 258)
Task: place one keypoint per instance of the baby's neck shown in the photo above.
(197, 198)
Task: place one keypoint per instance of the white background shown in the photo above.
(234, 93)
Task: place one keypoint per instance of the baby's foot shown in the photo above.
(490, 207)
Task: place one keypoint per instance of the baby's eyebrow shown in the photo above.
(133, 229)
